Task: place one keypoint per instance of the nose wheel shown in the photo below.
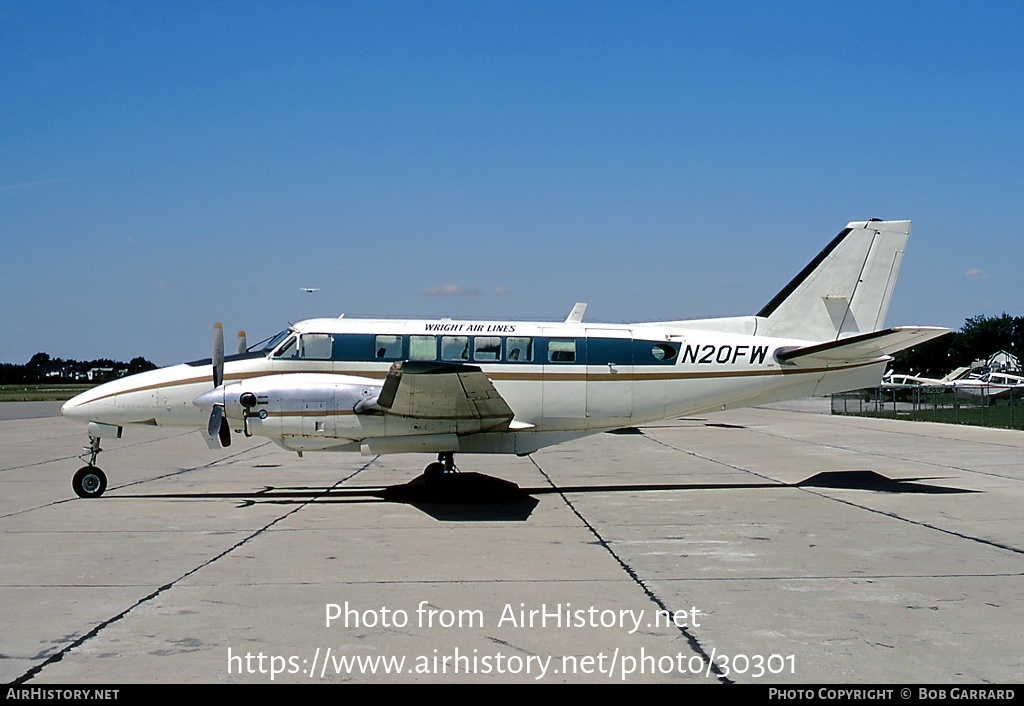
(89, 482)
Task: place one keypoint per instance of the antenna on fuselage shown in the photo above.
(576, 315)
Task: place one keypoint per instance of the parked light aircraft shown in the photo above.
(441, 386)
(898, 381)
(993, 385)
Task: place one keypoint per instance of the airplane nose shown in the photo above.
(95, 405)
(76, 409)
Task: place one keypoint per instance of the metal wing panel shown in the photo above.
(442, 391)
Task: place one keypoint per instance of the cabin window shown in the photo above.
(664, 352)
(316, 346)
(562, 350)
(455, 348)
(387, 347)
(422, 348)
(486, 348)
(518, 349)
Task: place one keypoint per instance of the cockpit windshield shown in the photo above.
(274, 342)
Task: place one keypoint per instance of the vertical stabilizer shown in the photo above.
(845, 290)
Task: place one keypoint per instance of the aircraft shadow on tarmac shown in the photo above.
(469, 497)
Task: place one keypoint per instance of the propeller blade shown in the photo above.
(241, 342)
(218, 354)
(225, 433)
(216, 417)
(218, 433)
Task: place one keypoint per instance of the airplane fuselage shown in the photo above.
(560, 380)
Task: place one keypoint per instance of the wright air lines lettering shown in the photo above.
(470, 328)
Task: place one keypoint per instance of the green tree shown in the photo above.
(37, 360)
(982, 336)
(978, 338)
(139, 365)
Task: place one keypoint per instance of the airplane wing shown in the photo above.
(862, 348)
(429, 390)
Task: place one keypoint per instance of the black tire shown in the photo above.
(434, 472)
(89, 482)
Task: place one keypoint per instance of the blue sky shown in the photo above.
(165, 165)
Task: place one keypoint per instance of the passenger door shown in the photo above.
(609, 374)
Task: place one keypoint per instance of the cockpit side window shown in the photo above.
(289, 349)
(274, 342)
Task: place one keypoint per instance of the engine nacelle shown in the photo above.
(298, 404)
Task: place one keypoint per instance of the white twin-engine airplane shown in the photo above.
(444, 386)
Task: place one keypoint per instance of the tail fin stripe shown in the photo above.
(777, 300)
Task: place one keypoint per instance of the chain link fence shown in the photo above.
(987, 406)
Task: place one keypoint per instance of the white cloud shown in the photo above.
(451, 290)
(975, 273)
(29, 184)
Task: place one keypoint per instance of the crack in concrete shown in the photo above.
(884, 513)
(58, 656)
(691, 639)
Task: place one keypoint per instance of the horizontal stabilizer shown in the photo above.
(862, 348)
(441, 391)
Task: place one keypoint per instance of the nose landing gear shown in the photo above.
(90, 481)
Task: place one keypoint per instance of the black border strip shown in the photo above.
(777, 300)
(829, 345)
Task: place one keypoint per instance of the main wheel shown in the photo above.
(89, 482)
(434, 471)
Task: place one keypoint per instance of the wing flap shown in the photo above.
(859, 349)
(442, 391)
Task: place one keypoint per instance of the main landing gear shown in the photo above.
(445, 464)
(90, 481)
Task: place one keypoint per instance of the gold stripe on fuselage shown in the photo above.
(516, 376)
